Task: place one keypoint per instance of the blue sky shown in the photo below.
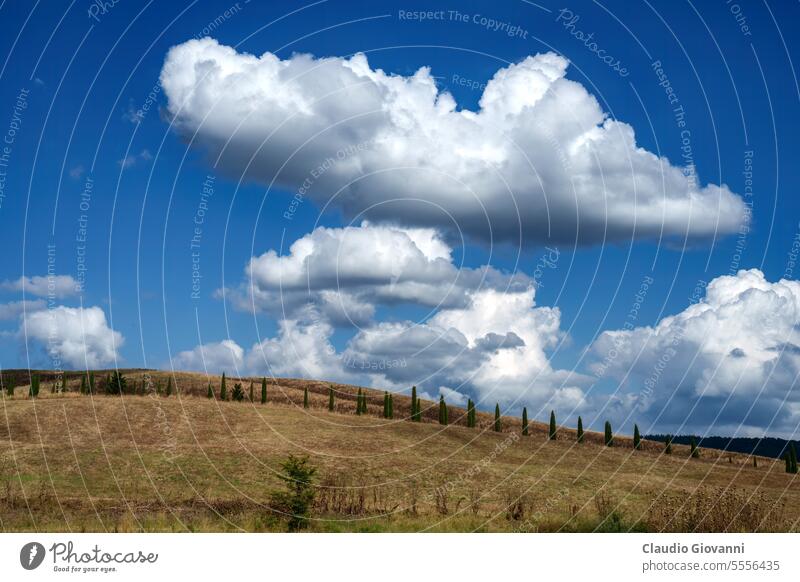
(93, 118)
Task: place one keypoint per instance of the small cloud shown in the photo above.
(44, 286)
(130, 161)
(132, 114)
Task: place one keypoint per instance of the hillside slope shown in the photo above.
(130, 463)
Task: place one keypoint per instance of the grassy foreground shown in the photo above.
(186, 463)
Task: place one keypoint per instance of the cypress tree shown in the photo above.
(210, 392)
(414, 405)
(497, 424)
(552, 433)
(385, 405)
(788, 462)
(250, 393)
(10, 389)
(83, 384)
(441, 409)
(391, 405)
(637, 439)
(580, 429)
(264, 390)
(609, 436)
(358, 402)
(223, 388)
(330, 399)
(91, 383)
(305, 397)
(668, 445)
(695, 450)
(524, 421)
(34, 389)
(469, 412)
(169, 386)
(792, 458)
(755, 462)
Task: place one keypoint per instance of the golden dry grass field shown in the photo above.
(71, 462)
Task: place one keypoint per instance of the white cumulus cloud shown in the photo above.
(73, 337)
(727, 363)
(539, 159)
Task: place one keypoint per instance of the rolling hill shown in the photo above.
(148, 462)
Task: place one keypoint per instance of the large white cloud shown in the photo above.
(539, 157)
(494, 348)
(73, 337)
(727, 362)
(345, 272)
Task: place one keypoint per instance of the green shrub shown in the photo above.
(580, 429)
(695, 452)
(210, 392)
(297, 499)
(116, 383)
(169, 387)
(609, 436)
(525, 421)
(33, 392)
(552, 433)
(668, 445)
(237, 395)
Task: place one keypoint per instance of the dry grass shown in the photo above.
(185, 463)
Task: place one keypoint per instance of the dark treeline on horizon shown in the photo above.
(764, 446)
